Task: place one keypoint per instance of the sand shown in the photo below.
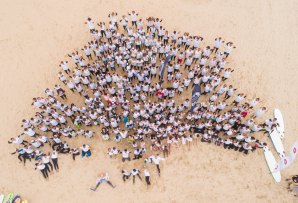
(36, 35)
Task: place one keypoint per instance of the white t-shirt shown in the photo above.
(125, 154)
(64, 66)
(57, 140)
(133, 17)
(54, 155)
(146, 173)
(18, 140)
(40, 167)
(45, 159)
(90, 24)
(135, 172)
(156, 160)
(85, 149)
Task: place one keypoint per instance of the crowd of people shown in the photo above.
(119, 75)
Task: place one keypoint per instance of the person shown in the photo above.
(42, 168)
(124, 22)
(135, 172)
(229, 48)
(64, 66)
(295, 178)
(102, 28)
(46, 161)
(103, 177)
(137, 154)
(147, 176)
(189, 141)
(22, 154)
(74, 152)
(56, 142)
(133, 16)
(65, 149)
(293, 185)
(292, 180)
(259, 112)
(125, 175)
(86, 150)
(217, 44)
(90, 24)
(125, 155)
(156, 160)
(165, 151)
(54, 158)
(18, 140)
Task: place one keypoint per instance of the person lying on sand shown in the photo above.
(102, 177)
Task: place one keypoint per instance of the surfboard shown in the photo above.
(271, 163)
(1, 198)
(280, 121)
(8, 198)
(276, 140)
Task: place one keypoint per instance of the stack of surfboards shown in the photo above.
(276, 137)
(10, 198)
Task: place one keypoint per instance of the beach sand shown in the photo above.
(36, 35)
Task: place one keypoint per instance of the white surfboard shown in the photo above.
(1, 198)
(271, 163)
(280, 121)
(276, 140)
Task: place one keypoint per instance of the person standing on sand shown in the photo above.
(113, 18)
(133, 16)
(229, 47)
(189, 141)
(65, 67)
(156, 159)
(259, 112)
(147, 176)
(90, 24)
(124, 22)
(125, 155)
(103, 177)
(102, 28)
(46, 161)
(42, 168)
(125, 175)
(165, 151)
(54, 157)
(135, 172)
